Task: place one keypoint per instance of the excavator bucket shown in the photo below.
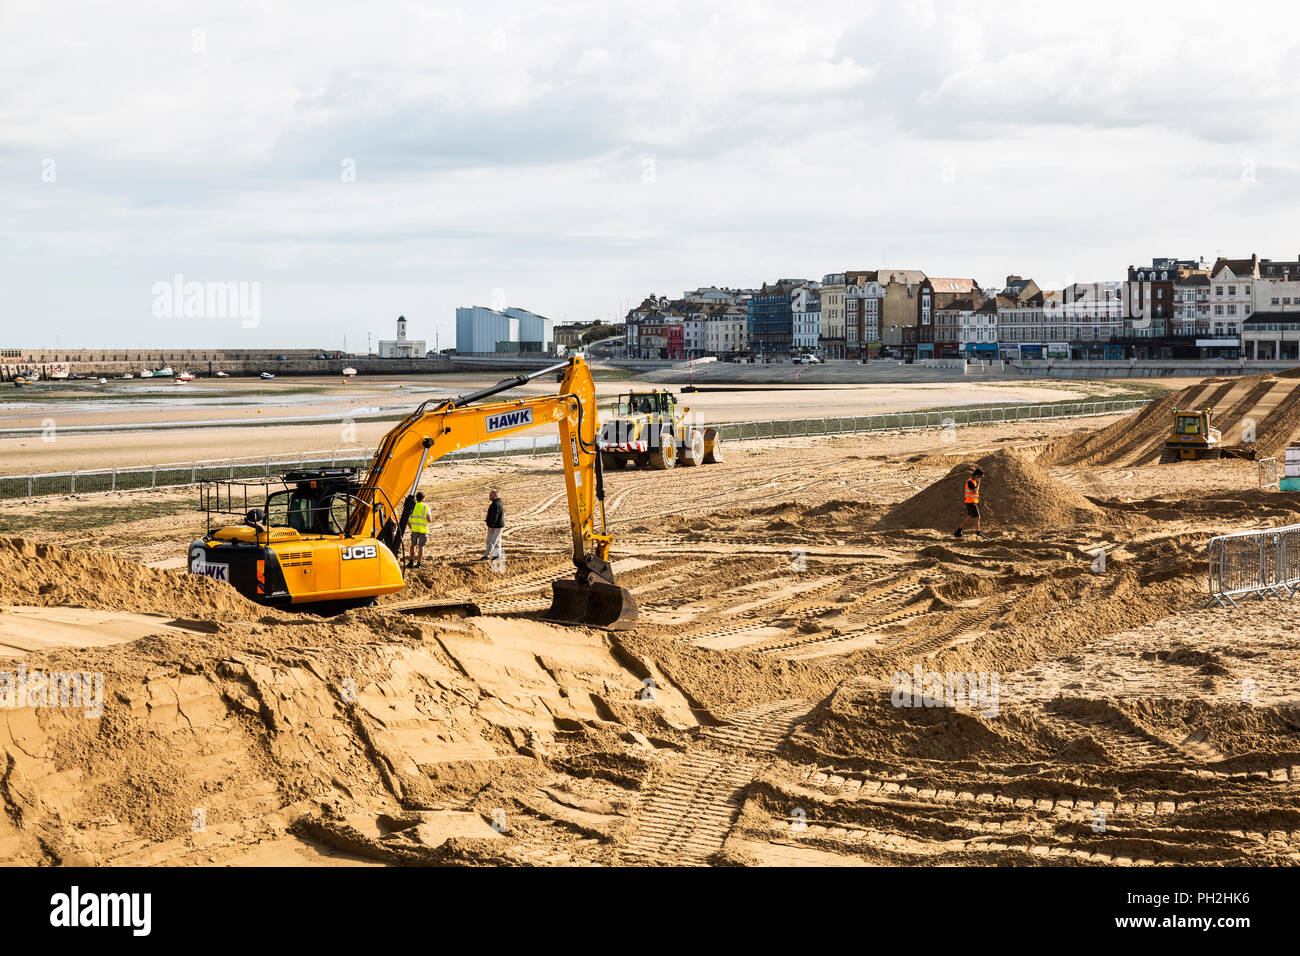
(596, 604)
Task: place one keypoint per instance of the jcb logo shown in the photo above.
(358, 551)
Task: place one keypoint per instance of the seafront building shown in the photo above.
(512, 331)
(1173, 308)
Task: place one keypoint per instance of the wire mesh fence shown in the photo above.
(177, 474)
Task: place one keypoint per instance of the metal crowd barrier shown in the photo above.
(176, 474)
(1268, 474)
(1260, 563)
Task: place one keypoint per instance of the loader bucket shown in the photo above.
(596, 605)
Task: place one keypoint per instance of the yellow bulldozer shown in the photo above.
(330, 538)
(1193, 439)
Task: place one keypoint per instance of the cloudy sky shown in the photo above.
(350, 161)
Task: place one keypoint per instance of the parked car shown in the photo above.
(808, 360)
(282, 358)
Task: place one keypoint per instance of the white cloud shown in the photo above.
(504, 145)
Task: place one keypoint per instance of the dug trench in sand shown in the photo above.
(750, 716)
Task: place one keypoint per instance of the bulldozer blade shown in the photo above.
(595, 605)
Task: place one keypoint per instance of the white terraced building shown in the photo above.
(806, 318)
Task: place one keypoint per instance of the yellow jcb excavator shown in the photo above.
(330, 539)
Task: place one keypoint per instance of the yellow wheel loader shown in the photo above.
(331, 539)
(650, 430)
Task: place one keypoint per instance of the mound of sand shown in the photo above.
(47, 575)
(1016, 493)
(862, 723)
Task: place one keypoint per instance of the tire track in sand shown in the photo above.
(688, 817)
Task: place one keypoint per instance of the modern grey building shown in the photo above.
(484, 331)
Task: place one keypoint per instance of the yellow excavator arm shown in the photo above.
(435, 429)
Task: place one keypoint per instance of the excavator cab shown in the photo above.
(313, 502)
(658, 405)
(286, 543)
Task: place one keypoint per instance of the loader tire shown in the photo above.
(693, 449)
(712, 446)
(612, 462)
(665, 456)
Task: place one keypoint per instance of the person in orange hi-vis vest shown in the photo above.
(971, 495)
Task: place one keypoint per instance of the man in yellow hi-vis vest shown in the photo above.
(419, 525)
(971, 495)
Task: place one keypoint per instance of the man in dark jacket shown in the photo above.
(496, 522)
